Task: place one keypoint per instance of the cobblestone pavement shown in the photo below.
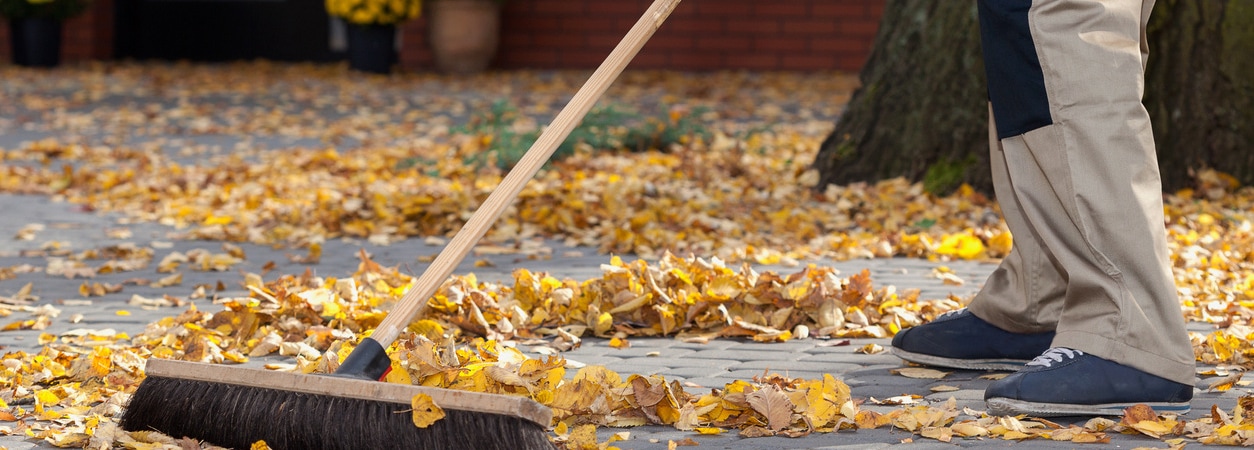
(706, 365)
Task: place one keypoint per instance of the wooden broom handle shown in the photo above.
(414, 302)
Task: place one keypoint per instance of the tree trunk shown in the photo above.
(1200, 88)
(922, 112)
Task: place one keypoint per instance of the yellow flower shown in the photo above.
(381, 12)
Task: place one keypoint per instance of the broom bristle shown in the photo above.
(237, 416)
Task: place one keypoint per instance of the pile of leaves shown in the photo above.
(69, 393)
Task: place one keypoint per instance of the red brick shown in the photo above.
(651, 60)
(778, 8)
(559, 7)
(753, 26)
(754, 61)
(695, 26)
(780, 43)
(605, 41)
(672, 42)
(560, 40)
(738, 8)
(697, 61)
(875, 9)
(618, 8)
(530, 58)
(861, 29)
(810, 26)
(840, 45)
(530, 24)
(841, 9)
(735, 43)
(585, 24)
(584, 59)
(809, 62)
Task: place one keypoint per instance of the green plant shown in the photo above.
(375, 12)
(604, 128)
(42, 9)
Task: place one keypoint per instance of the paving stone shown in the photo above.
(876, 446)
(852, 358)
(636, 352)
(807, 366)
(695, 372)
(792, 346)
(713, 344)
(763, 355)
(709, 363)
(960, 395)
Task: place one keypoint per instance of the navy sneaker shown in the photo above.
(1066, 382)
(960, 340)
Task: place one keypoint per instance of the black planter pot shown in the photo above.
(371, 48)
(36, 42)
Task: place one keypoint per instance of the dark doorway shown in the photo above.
(223, 30)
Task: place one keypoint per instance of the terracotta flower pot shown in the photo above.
(463, 34)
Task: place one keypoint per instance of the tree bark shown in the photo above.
(922, 112)
(1200, 88)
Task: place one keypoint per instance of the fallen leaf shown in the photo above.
(919, 373)
(425, 411)
(774, 405)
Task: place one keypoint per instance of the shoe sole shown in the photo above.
(1000, 406)
(955, 363)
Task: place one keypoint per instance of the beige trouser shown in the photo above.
(1083, 199)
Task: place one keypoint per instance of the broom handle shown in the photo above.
(414, 302)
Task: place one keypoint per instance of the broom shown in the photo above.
(350, 409)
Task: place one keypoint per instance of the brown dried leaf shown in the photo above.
(774, 405)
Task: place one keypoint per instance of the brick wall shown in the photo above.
(700, 35)
(564, 34)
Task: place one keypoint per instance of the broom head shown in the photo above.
(235, 407)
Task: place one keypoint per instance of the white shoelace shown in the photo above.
(1053, 355)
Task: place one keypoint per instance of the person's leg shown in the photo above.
(1074, 166)
(1011, 320)
(1088, 183)
(1080, 152)
(1025, 293)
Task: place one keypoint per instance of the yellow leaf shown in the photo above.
(709, 430)
(604, 322)
(426, 412)
(620, 343)
(398, 375)
(943, 434)
(46, 397)
(583, 436)
(260, 445)
(122, 312)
